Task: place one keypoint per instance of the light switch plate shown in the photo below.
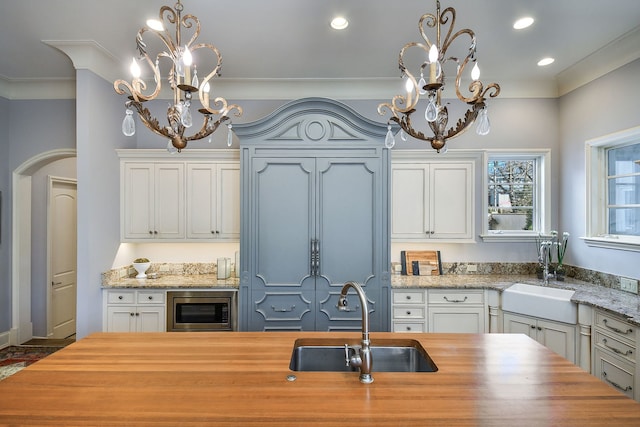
(629, 285)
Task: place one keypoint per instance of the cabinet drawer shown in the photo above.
(150, 297)
(408, 297)
(611, 344)
(456, 297)
(121, 297)
(616, 373)
(416, 327)
(408, 312)
(616, 327)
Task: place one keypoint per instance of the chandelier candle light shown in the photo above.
(435, 57)
(182, 76)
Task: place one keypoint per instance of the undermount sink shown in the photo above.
(389, 355)
(541, 301)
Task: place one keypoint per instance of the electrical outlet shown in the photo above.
(629, 285)
(472, 268)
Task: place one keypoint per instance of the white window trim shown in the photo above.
(596, 227)
(543, 195)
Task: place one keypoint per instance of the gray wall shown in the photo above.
(99, 135)
(607, 105)
(5, 211)
(33, 127)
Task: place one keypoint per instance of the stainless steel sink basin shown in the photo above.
(389, 355)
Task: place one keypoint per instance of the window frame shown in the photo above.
(596, 191)
(541, 194)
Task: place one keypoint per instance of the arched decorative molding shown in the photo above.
(316, 121)
(21, 325)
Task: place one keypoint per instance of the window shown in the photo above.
(613, 190)
(516, 195)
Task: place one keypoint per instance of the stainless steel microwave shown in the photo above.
(189, 311)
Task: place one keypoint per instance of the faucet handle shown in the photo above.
(346, 355)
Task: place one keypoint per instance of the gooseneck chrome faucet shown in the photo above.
(361, 359)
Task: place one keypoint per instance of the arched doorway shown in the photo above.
(21, 324)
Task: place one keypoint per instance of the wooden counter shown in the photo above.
(240, 379)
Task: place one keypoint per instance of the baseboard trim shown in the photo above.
(5, 339)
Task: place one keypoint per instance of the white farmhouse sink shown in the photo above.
(540, 301)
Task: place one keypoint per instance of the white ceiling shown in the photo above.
(289, 42)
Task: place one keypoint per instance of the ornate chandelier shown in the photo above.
(182, 76)
(433, 60)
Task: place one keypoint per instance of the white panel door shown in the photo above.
(62, 256)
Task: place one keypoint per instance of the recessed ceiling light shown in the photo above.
(523, 23)
(545, 61)
(339, 23)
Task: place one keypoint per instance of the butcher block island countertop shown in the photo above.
(240, 379)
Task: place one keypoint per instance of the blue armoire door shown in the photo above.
(314, 222)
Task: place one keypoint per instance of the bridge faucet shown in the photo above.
(545, 252)
(362, 359)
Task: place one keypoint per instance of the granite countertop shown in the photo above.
(615, 301)
(168, 281)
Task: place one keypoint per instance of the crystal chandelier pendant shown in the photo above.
(194, 81)
(128, 124)
(431, 112)
(421, 84)
(483, 127)
(229, 135)
(403, 135)
(185, 116)
(389, 140)
(170, 148)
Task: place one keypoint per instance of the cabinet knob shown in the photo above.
(119, 296)
(131, 314)
(150, 232)
(408, 328)
(150, 297)
(408, 296)
(155, 231)
(539, 328)
(533, 326)
(408, 313)
(137, 314)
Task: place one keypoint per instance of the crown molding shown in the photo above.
(619, 52)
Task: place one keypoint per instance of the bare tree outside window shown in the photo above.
(511, 194)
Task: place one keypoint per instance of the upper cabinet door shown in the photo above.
(138, 201)
(153, 201)
(169, 201)
(432, 200)
(213, 201)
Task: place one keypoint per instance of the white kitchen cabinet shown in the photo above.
(457, 311)
(134, 311)
(432, 200)
(558, 337)
(191, 197)
(614, 353)
(409, 310)
(439, 310)
(152, 201)
(213, 201)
